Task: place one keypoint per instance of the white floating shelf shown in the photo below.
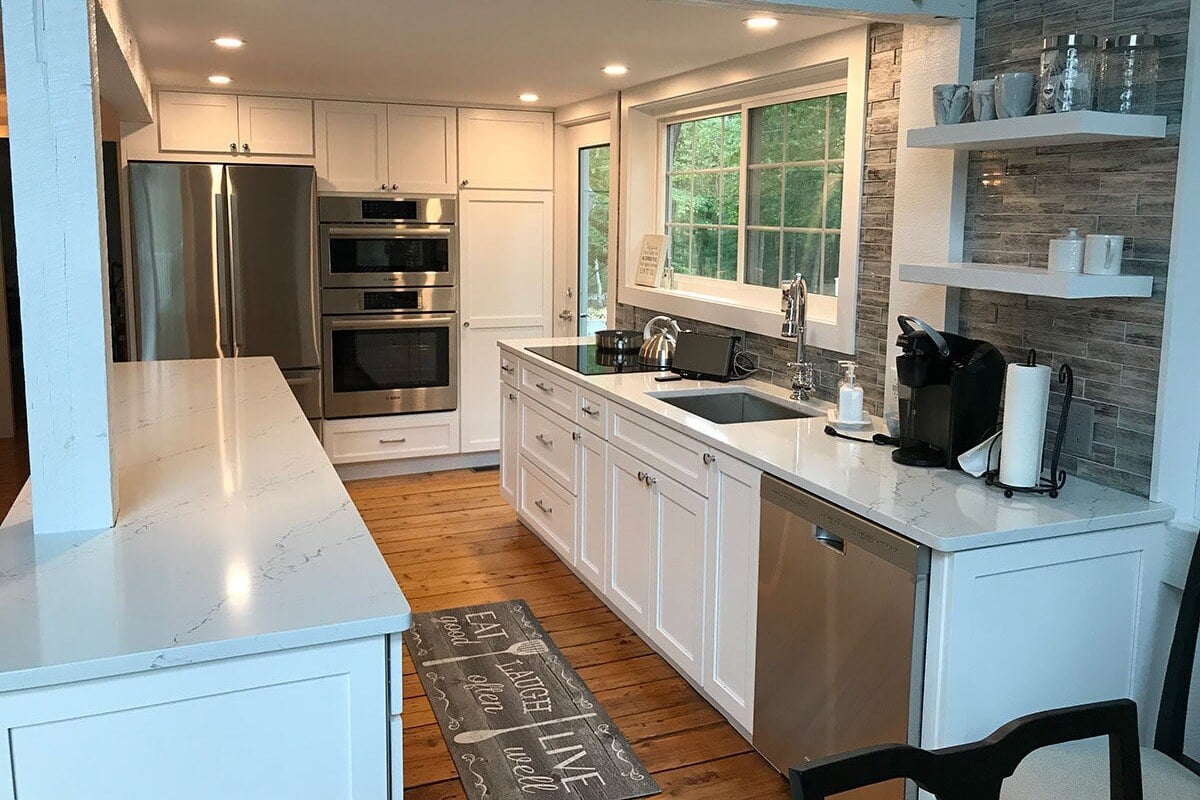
(1040, 130)
(1028, 280)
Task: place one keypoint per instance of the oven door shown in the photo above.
(388, 255)
(390, 364)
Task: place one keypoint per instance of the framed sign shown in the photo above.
(652, 260)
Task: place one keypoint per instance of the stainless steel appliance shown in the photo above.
(658, 346)
(842, 609)
(224, 265)
(390, 351)
(395, 241)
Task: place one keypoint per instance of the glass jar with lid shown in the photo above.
(1070, 68)
(1129, 75)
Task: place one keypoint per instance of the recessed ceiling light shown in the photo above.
(616, 70)
(761, 23)
(528, 97)
(228, 42)
(220, 80)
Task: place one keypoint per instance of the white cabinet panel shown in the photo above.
(279, 126)
(552, 392)
(479, 389)
(422, 149)
(506, 149)
(631, 525)
(198, 122)
(680, 550)
(510, 442)
(593, 509)
(548, 440)
(549, 510)
(666, 450)
(354, 441)
(733, 587)
(351, 146)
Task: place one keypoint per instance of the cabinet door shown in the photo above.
(593, 506)
(351, 145)
(506, 264)
(505, 149)
(197, 123)
(510, 442)
(733, 587)
(680, 518)
(422, 149)
(631, 523)
(275, 126)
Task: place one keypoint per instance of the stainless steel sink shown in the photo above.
(729, 407)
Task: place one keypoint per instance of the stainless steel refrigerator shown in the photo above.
(224, 265)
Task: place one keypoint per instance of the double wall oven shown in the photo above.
(389, 304)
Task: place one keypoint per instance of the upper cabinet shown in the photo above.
(197, 122)
(373, 147)
(505, 149)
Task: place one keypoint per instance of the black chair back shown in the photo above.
(1174, 720)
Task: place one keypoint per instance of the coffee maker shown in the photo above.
(950, 390)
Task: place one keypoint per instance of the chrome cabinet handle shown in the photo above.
(233, 147)
(512, 396)
(542, 438)
(395, 186)
(545, 388)
(392, 441)
(651, 480)
(383, 186)
(506, 369)
(641, 477)
(709, 459)
(245, 147)
(464, 183)
(545, 509)
(591, 412)
(576, 436)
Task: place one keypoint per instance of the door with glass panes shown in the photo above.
(583, 225)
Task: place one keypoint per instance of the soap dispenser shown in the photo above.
(850, 395)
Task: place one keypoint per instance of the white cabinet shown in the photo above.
(422, 149)
(732, 587)
(630, 537)
(351, 146)
(506, 246)
(230, 124)
(276, 126)
(505, 149)
(680, 528)
(549, 509)
(593, 508)
(510, 442)
(362, 439)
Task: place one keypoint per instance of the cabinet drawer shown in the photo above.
(677, 456)
(349, 441)
(549, 510)
(510, 369)
(549, 441)
(556, 394)
(593, 412)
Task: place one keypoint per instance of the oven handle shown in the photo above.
(392, 232)
(391, 321)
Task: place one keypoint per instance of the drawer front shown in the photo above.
(510, 369)
(549, 510)
(349, 441)
(554, 393)
(549, 441)
(677, 456)
(593, 412)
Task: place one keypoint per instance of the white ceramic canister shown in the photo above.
(1102, 255)
(1066, 254)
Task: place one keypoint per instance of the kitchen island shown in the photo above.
(235, 633)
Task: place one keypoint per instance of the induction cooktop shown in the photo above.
(591, 360)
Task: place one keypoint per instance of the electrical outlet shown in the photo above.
(1081, 430)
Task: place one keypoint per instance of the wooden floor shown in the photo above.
(452, 541)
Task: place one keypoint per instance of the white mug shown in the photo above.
(1102, 255)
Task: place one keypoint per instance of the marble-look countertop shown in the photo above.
(234, 536)
(946, 510)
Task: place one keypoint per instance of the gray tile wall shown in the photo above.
(876, 247)
(1020, 199)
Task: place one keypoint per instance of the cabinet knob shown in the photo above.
(709, 459)
(245, 148)
(233, 147)
(466, 324)
(512, 396)
(395, 187)
(576, 436)
(383, 186)
(464, 183)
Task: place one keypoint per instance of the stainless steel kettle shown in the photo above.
(660, 336)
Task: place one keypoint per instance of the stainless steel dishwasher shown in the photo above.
(842, 608)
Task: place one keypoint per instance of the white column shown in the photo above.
(54, 127)
(930, 184)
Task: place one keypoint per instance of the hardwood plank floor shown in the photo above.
(451, 540)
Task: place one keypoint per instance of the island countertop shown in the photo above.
(234, 536)
(945, 510)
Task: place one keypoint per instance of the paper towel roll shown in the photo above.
(1026, 402)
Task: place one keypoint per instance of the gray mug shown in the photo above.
(951, 101)
(1014, 94)
(983, 99)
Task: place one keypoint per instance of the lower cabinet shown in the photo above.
(592, 519)
(549, 509)
(630, 537)
(679, 524)
(510, 441)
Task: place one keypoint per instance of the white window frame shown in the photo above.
(832, 321)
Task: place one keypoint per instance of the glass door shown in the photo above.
(583, 212)
(592, 305)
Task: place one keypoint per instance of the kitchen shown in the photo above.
(420, 253)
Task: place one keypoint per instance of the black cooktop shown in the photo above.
(591, 360)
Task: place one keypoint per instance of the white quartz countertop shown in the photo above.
(234, 536)
(946, 510)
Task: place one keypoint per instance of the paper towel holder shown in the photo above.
(1053, 484)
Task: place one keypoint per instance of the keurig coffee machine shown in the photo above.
(950, 390)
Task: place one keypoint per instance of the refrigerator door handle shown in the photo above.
(222, 276)
(236, 266)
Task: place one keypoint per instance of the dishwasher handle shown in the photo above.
(830, 540)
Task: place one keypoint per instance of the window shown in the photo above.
(594, 163)
(792, 174)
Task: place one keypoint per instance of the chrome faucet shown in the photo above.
(795, 326)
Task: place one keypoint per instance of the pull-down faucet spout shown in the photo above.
(795, 326)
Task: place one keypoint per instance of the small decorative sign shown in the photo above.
(652, 260)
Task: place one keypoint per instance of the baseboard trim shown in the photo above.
(412, 466)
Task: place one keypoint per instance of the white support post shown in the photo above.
(931, 185)
(54, 127)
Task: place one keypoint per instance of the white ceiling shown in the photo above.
(462, 51)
